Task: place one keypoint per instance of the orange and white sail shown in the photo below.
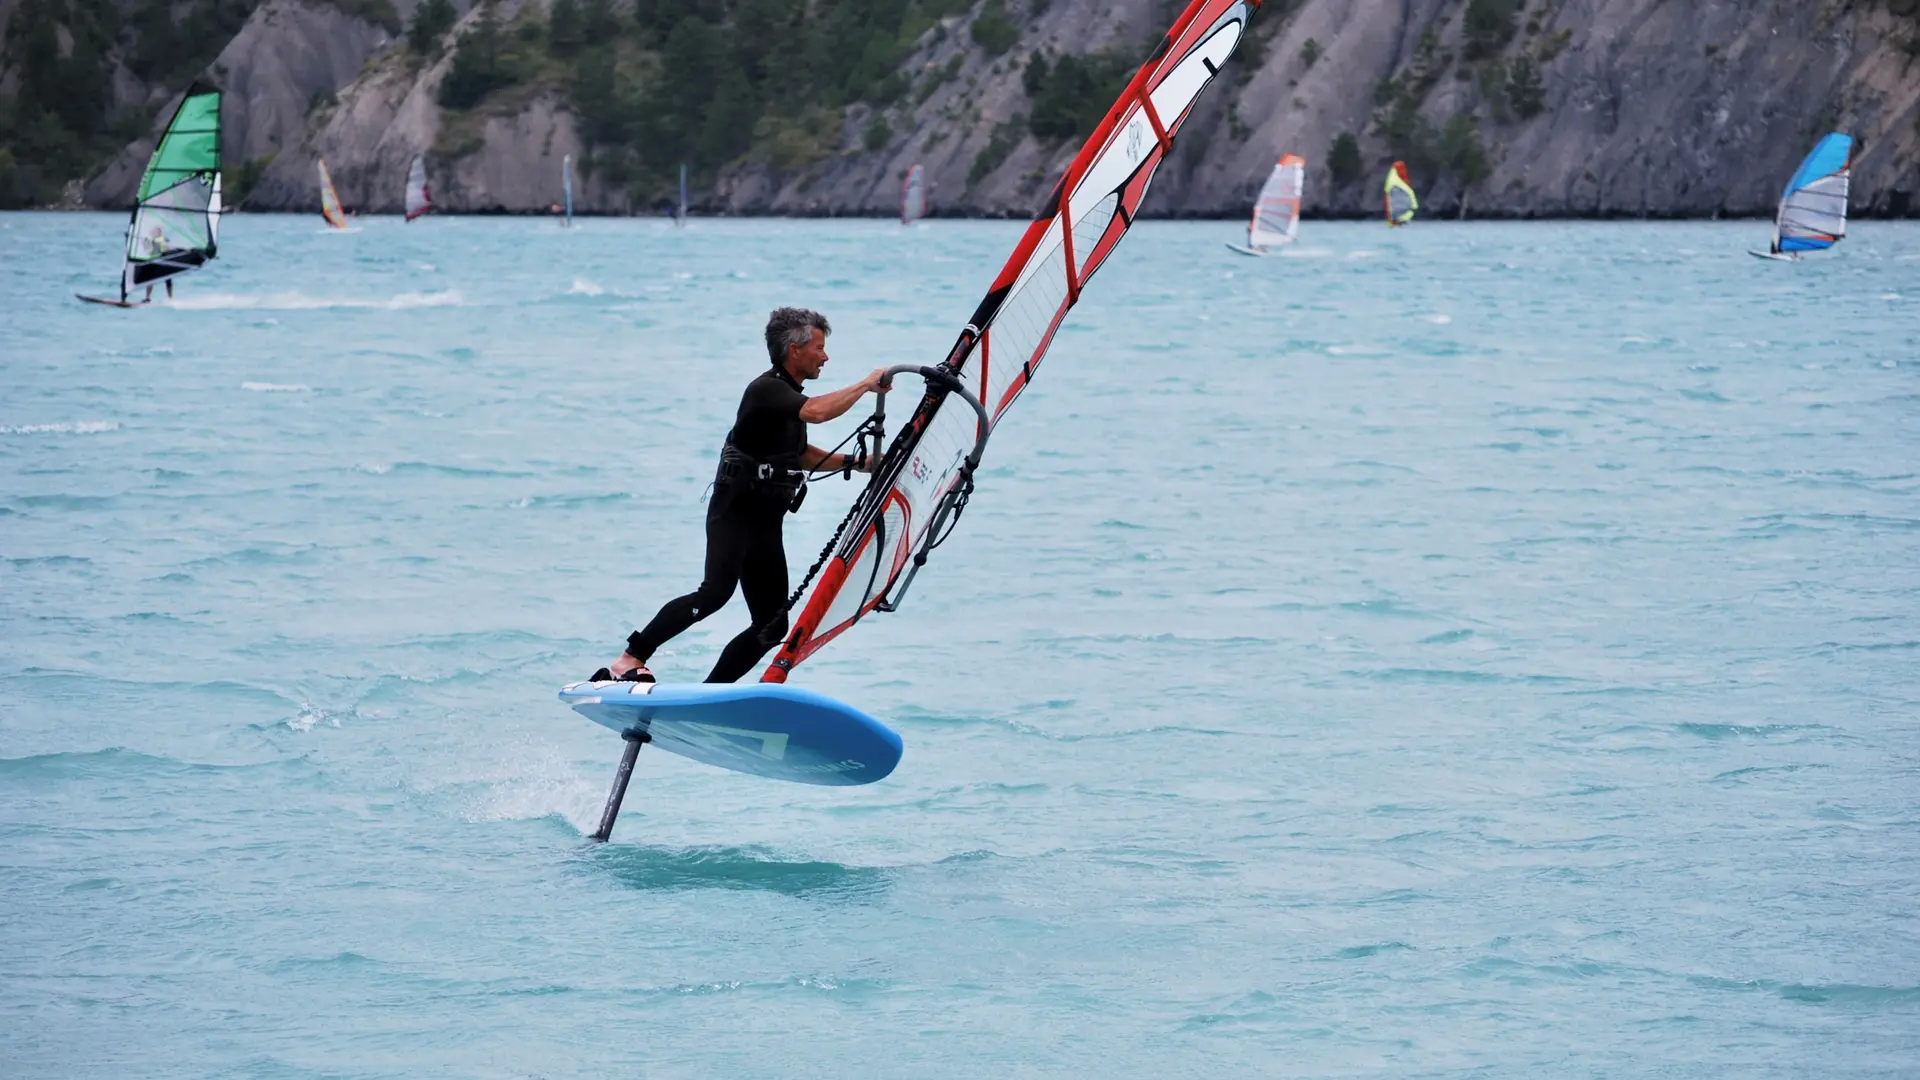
(329, 201)
(1276, 214)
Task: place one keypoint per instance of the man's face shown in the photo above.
(805, 361)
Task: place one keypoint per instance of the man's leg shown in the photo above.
(728, 543)
(763, 578)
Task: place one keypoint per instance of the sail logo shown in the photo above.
(1135, 138)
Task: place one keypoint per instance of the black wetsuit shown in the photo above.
(757, 482)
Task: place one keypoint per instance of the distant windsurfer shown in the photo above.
(156, 247)
(763, 466)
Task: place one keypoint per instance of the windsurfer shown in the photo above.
(762, 472)
(156, 247)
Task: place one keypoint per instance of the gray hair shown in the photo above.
(792, 326)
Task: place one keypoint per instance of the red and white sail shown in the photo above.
(1004, 342)
(419, 195)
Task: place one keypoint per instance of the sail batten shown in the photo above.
(1813, 207)
(1401, 203)
(175, 225)
(419, 193)
(927, 472)
(1276, 213)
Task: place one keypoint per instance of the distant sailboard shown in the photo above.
(329, 201)
(919, 489)
(913, 195)
(680, 208)
(419, 194)
(176, 219)
(1401, 203)
(1276, 213)
(1813, 208)
(566, 189)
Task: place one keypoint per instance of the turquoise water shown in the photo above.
(1469, 650)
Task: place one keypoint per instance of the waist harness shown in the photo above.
(772, 480)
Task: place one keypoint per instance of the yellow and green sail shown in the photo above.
(1400, 200)
(176, 222)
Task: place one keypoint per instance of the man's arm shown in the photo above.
(819, 410)
(818, 460)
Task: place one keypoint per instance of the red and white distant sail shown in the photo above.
(913, 195)
(419, 195)
(925, 474)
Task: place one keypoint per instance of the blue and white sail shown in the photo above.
(1813, 208)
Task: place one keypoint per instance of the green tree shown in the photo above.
(566, 30)
(599, 21)
(1525, 92)
(430, 23)
(478, 67)
(692, 64)
(1489, 25)
(992, 30)
(727, 126)
(1461, 150)
(1071, 94)
(1343, 160)
(878, 133)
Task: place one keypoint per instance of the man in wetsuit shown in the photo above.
(762, 466)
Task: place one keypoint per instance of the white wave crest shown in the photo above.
(83, 427)
(582, 287)
(299, 301)
(276, 388)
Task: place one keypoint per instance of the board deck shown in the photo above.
(1776, 257)
(1256, 252)
(110, 302)
(767, 729)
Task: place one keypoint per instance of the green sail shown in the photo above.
(176, 223)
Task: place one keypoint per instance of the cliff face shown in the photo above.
(503, 158)
(1647, 108)
(288, 57)
(1555, 107)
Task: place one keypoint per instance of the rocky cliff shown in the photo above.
(286, 63)
(1501, 107)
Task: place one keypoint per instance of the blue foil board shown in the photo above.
(767, 729)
